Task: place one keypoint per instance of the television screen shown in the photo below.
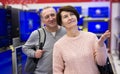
(79, 9)
(98, 12)
(3, 26)
(20, 60)
(24, 58)
(97, 27)
(15, 22)
(5, 29)
(6, 62)
(56, 8)
(80, 22)
(39, 11)
(29, 21)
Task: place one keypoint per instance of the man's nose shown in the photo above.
(50, 17)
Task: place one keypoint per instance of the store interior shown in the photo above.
(19, 18)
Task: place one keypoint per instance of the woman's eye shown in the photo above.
(65, 16)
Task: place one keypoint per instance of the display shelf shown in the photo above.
(96, 19)
(100, 24)
(98, 34)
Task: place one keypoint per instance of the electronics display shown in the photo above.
(6, 62)
(80, 22)
(24, 58)
(97, 27)
(29, 21)
(98, 12)
(20, 60)
(79, 10)
(18, 52)
(39, 11)
(15, 22)
(5, 29)
(56, 8)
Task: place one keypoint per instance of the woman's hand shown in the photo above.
(104, 36)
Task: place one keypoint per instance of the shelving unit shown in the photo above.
(89, 19)
(96, 19)
(97, 15)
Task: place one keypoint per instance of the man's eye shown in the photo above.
(46, 17)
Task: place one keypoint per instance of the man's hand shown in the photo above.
(38, 53)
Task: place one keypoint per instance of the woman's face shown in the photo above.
(69, 19)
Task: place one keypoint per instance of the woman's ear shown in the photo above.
(62, 25)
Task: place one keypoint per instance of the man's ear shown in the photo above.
(42, 20)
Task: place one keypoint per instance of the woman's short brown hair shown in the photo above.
(66, 8)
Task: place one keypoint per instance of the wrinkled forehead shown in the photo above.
(47, 11)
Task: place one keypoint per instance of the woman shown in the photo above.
(77, 52)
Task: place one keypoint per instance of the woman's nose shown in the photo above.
(69, 17)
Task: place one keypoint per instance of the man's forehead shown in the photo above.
(48, 10)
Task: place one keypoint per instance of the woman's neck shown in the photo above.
(73, 32)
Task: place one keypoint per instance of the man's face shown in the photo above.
(49, 17)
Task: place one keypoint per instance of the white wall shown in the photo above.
(115, 23)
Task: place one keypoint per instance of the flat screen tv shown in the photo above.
(80, 22)
(98, 12)
(79, 10)
(15, 22)
(6, 62)
(97, 27)
(29, 21)
(56, 8)
(20, 60)
(5, 30)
